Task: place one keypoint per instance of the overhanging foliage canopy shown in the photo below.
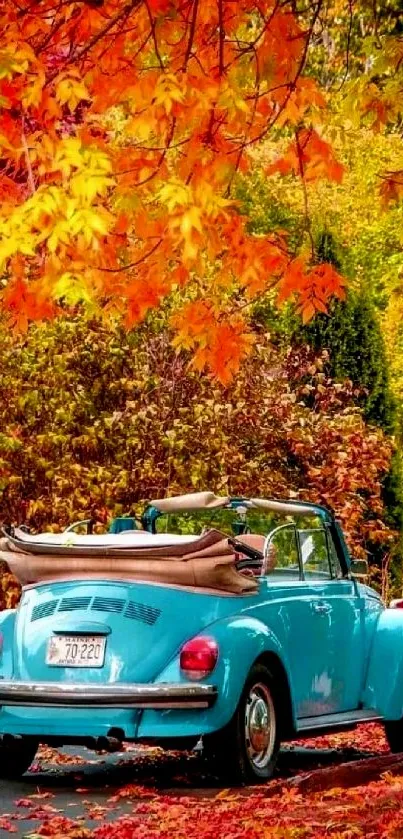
(123, 126)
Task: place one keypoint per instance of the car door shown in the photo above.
(320, 617)
(301, 617)
(338, 610)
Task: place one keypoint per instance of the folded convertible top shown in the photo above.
(129, 542)
(206, 561)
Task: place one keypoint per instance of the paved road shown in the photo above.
(73, 788)
(86, 781)
(83, 784)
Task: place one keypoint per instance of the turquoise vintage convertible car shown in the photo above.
(243, 622)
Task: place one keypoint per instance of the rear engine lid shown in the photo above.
(140, 626)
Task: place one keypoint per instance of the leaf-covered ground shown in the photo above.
(162, 796)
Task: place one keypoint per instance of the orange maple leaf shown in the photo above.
(311, 156)
(312, 288)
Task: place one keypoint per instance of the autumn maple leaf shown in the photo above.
(123, 130)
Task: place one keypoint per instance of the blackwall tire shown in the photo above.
(246, 750)
(394, 735)
(16, 757)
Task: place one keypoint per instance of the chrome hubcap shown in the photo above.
(260, 726)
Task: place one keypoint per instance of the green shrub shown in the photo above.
(95, 420)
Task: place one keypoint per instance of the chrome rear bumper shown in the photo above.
(53, 695)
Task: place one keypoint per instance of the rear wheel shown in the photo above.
(394, 735)
(246, 749)
(16, 756)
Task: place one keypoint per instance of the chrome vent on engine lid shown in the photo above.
(108, 604)
(70, 604)
(44, 610)
(140, 612)
(114, 605)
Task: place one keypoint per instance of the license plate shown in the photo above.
(76, 651)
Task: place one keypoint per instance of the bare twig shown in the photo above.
(31, 180)
(154, 36)
(191, 34)
(221, 38)
(348, 47)
(308, 226)
(250, 45)
(133, 264)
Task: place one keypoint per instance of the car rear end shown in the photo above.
(85, 659)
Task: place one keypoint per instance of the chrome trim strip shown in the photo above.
(51, 694)
(335, 720)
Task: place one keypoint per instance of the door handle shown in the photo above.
(321, 608)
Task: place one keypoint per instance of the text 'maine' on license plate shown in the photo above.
(76, 651)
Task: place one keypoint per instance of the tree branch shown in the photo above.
(349, 33)
(121, 15)
(221, 38)
(191, 34)
(154, 36)
(133, 264)
(31, 180)
(308, 226)
(290, 85)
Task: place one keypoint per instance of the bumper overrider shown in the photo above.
(56, 695)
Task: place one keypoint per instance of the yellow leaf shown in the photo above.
(175, 194)
(230, 98)
(70, 91)
(68, 155)
(140, 127)
(15, 60)
(99, 224)
(224, 793)
(72, 288)
(190, 251)
(59, 235)
(191, 220)
(212, 202)
(89, 186)
(33, 92)
(167, 92)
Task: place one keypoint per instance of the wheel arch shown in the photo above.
(383, 689)
(282, 698)
(7, 626)
(243, 641)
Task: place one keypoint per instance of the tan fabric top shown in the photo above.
(187, 503)
(286, 507)
(207, 562)
(218, 573)
(208, 501)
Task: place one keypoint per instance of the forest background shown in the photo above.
(98, 416)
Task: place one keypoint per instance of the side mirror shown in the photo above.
(359, 568)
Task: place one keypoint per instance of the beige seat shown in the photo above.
(255, 541)
(252, 540)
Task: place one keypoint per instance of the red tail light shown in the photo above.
(396, 604)
(198, 657)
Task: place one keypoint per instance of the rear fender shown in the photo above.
(7, 624)
(241, 641)
(384, 683)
